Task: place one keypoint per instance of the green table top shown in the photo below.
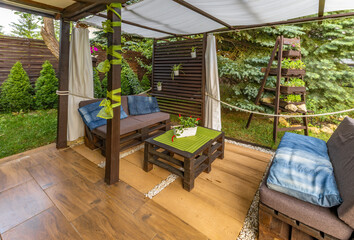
(188, 144)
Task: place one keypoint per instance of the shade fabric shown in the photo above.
(171, 17)
(80, 80)
(212, 107)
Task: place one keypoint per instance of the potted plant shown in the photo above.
(175, 70)
(194, 52)
(159, 86)
(294, 99)
(290, 68)
(292, 86)
(294, 51)
(187, 128)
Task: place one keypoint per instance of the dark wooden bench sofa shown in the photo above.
(133, 129)
(284, 217)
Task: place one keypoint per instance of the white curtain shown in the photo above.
(212, 107)
(80, 80)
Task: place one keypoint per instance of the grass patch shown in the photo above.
(24, 131)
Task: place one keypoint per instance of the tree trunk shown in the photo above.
(48, 35)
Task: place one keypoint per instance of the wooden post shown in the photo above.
(113, 125)
(63, 84)
(205, 37)
(277, 91)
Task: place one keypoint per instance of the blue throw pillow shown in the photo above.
(301, 168)
(89, 115)
(139, 105)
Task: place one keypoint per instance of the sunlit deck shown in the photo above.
(50, 194)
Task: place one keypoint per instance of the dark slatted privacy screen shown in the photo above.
(183, 95)
(30, 52)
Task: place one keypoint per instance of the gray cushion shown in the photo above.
(126, 125)
(320, 218)
(152, 118)
(341, 152)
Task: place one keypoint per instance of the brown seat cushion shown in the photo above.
(320, 218)
(127, 125)
(341, 152)
(152, 118)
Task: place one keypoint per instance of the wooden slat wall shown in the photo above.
(185, 94)
(30, 52)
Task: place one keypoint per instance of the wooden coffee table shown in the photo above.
(192, 164)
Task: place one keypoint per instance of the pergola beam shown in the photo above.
(27, 10)
(201, 12)
(38, 5)
(321, 6)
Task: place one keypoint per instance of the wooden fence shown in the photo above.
(185, 94)
(30, 52)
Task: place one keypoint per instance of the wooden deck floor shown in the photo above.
(50, 194)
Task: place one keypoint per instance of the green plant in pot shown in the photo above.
(187, 128)
(159, 86)
(175, 70)
(294, 82)
(194, 52)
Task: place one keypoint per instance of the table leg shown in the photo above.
(208, 160)
(188, 181)
(147, 165)
(222, 147)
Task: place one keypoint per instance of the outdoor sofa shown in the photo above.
(133, 129)
(285, 217)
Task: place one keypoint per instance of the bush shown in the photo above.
(97, 85)
(46, 87)
(145, 83)
(16, 91)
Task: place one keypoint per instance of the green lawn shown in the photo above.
(24, 131)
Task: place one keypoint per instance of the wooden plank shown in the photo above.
(113, 125)
(13, 174)
(63, 84)
(80, 196)
(166, 224)
(49, 225)
(20, 203)
(109, 220)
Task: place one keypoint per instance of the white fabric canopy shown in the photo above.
(212, 107)
(171, 17)
(80, 80)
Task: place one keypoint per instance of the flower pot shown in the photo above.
(176, 73)
(292, 90)
(186, 132)
(291, 54)
(194, 54)
(159, 88)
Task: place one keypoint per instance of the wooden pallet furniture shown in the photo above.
(96, 138)
(278, 55)
(193, 164)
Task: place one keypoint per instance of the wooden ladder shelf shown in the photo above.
(279, 54)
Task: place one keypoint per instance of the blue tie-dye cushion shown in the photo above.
(139, 105)
(301, 168)
(89, 115)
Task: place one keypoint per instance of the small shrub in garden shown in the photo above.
(16, 91)
(46, 87)
(97, 85)
(145, 82)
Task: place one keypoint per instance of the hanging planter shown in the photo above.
(159, 86)
(175, 70)
(194, 52)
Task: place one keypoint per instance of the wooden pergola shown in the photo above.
(74, 10)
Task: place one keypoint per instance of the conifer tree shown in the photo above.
(46, 87)
(27, 26)
(16, 91)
